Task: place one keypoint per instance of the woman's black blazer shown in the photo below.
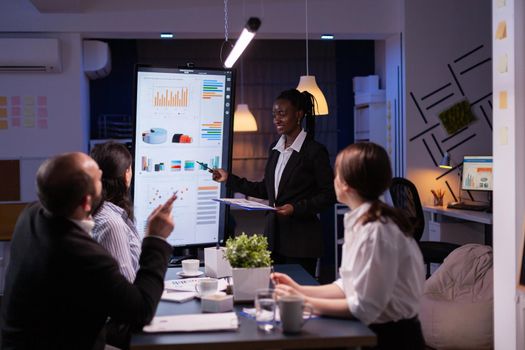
(307, 184)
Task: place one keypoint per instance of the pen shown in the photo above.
(206, 167)
(272, 270)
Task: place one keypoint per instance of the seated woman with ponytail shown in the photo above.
(382, 272)
(298, 181)
(114, 222)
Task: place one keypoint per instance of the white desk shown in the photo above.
(438, 214)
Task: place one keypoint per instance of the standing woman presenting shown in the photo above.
(298, 181)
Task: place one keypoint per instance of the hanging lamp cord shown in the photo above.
(242, 59)
(225, 42)
(306, 25)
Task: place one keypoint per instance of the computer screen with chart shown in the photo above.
(183, 126)
(477, 173)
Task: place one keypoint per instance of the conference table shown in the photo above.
(318, 332)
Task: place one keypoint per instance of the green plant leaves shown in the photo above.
(456, 117)
(246, 251)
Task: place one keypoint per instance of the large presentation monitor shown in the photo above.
(477, 173)
(182, 117)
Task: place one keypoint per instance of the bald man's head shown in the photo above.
(65, 180)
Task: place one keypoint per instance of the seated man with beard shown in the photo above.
(61, 285)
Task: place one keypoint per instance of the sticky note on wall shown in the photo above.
(503, 135)
(501, 30)
(500, 3)
(503, 103)
(502, 64)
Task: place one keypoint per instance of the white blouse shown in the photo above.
(285, 154)
(382, 270)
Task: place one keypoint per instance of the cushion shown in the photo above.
(457, 305)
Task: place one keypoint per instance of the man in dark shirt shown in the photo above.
(61, 286)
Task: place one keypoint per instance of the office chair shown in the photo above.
(405, 197)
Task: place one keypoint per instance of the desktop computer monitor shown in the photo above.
(477, 173)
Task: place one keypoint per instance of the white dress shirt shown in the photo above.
(382, 270)
(86, 225)
(116, 232)
(285, 155)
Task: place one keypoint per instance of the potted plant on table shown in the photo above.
(251, 265)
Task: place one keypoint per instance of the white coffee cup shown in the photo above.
(207, 286)
(291, 310)
(190, 266)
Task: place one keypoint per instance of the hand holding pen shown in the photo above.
(205, 166)
(218, 174)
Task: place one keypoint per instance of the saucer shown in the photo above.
(192, 274)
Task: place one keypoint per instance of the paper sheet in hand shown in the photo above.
(188, 284)
(244, 203)
(193, 323)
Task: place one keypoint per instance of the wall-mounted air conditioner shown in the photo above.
(30, 55)
(97, 59)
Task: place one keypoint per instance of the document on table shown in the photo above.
(188, 284)
(244, 203)
(193, 323)
(177, 296)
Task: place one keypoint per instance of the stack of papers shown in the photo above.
(193, 323)
(188, 284)
(183, 290)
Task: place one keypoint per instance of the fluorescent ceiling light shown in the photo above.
(327, 36)
(248, 33)
(166, 35)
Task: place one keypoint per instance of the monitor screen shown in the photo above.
(477, 173)
(183, 124)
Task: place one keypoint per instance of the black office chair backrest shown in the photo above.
(405, 197)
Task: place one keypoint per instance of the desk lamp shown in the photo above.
(446, 163)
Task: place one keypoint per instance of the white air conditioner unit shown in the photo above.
(97, 59)
(30, 55)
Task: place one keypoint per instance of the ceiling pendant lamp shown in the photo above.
(307, 82)
(243, 119)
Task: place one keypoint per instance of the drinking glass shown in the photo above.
(265, 309)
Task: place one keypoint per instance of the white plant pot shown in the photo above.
(247, 280)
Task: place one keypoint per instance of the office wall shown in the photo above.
(509, 172)
(59, 99)
(448, 56)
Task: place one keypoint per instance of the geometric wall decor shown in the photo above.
(451, 89)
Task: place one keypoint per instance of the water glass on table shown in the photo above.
(265, 306)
